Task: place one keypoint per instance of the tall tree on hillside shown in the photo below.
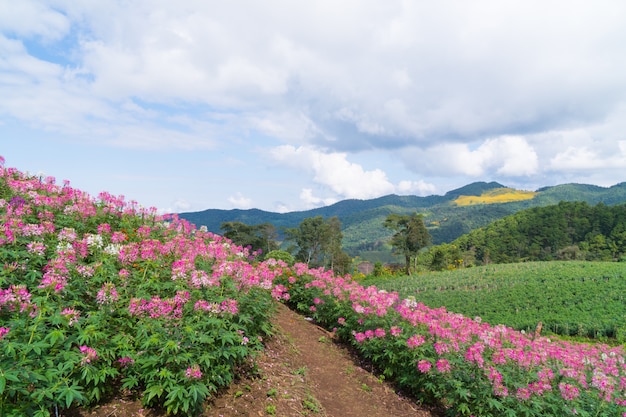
(410, 235)
(337, 259)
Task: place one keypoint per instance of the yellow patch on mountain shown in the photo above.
(495, 196)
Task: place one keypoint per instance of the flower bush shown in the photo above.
(98, 295)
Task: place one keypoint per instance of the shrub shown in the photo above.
(281, 255)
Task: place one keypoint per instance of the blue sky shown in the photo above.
(284, 105)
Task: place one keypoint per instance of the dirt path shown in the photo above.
(342, 387)
(302, 372)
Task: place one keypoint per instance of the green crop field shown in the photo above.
(569, 298)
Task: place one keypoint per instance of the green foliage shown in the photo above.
(410, 236)
(318, 243)
(281, 255)
(568, 230)
(259, 237)
(569, 298)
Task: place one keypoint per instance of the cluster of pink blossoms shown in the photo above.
(57, 271)
(193, 372)
(36, 248)
(379, 333)
(160, 308)
(107, 294)
(71, 315)
(17, 298)
(4, 331)
(90, 354)
(229, 306)
(125, 361)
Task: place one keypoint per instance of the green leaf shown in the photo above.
(130, 382)
(151, 392)
(463, 408)
(71, 394)
(493, 403)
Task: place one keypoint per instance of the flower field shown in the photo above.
(99, 295)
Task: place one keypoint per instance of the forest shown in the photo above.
(565, 231)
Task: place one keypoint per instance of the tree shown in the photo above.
(410, 235)
(308, 237)
(318, 243)
(257, 237)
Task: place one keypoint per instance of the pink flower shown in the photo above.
(415, 341)
(90, 354)
(107, 294)
(104, 228)
(424, 366)
(4, 331)
(118, 237)
(395, 331)
(230, 306)
(126, 361)
(360, 337)
(193, 372)
(36, 248)
(443, 366)
(523, 393)
(71, 315)
(568, 392)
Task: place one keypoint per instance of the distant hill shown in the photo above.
(446, 220)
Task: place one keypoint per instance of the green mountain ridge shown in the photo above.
(362, 220)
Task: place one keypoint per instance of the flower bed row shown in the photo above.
(469, 367)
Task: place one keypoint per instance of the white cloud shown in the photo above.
(333, 170)
(239, 201)
(181, 205)
(310, 201)
(586, 159)
(423, 72)
(32, 18)
(511, 155)
(343, 178)
(420, 187)
(506, 156)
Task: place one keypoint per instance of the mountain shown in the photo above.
(447, 217)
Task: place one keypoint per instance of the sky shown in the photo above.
(290, 105)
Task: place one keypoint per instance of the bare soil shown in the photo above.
(302, 372)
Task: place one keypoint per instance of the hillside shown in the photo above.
(567, 230)
(362, 220)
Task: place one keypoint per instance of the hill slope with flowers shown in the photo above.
(99, 294)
